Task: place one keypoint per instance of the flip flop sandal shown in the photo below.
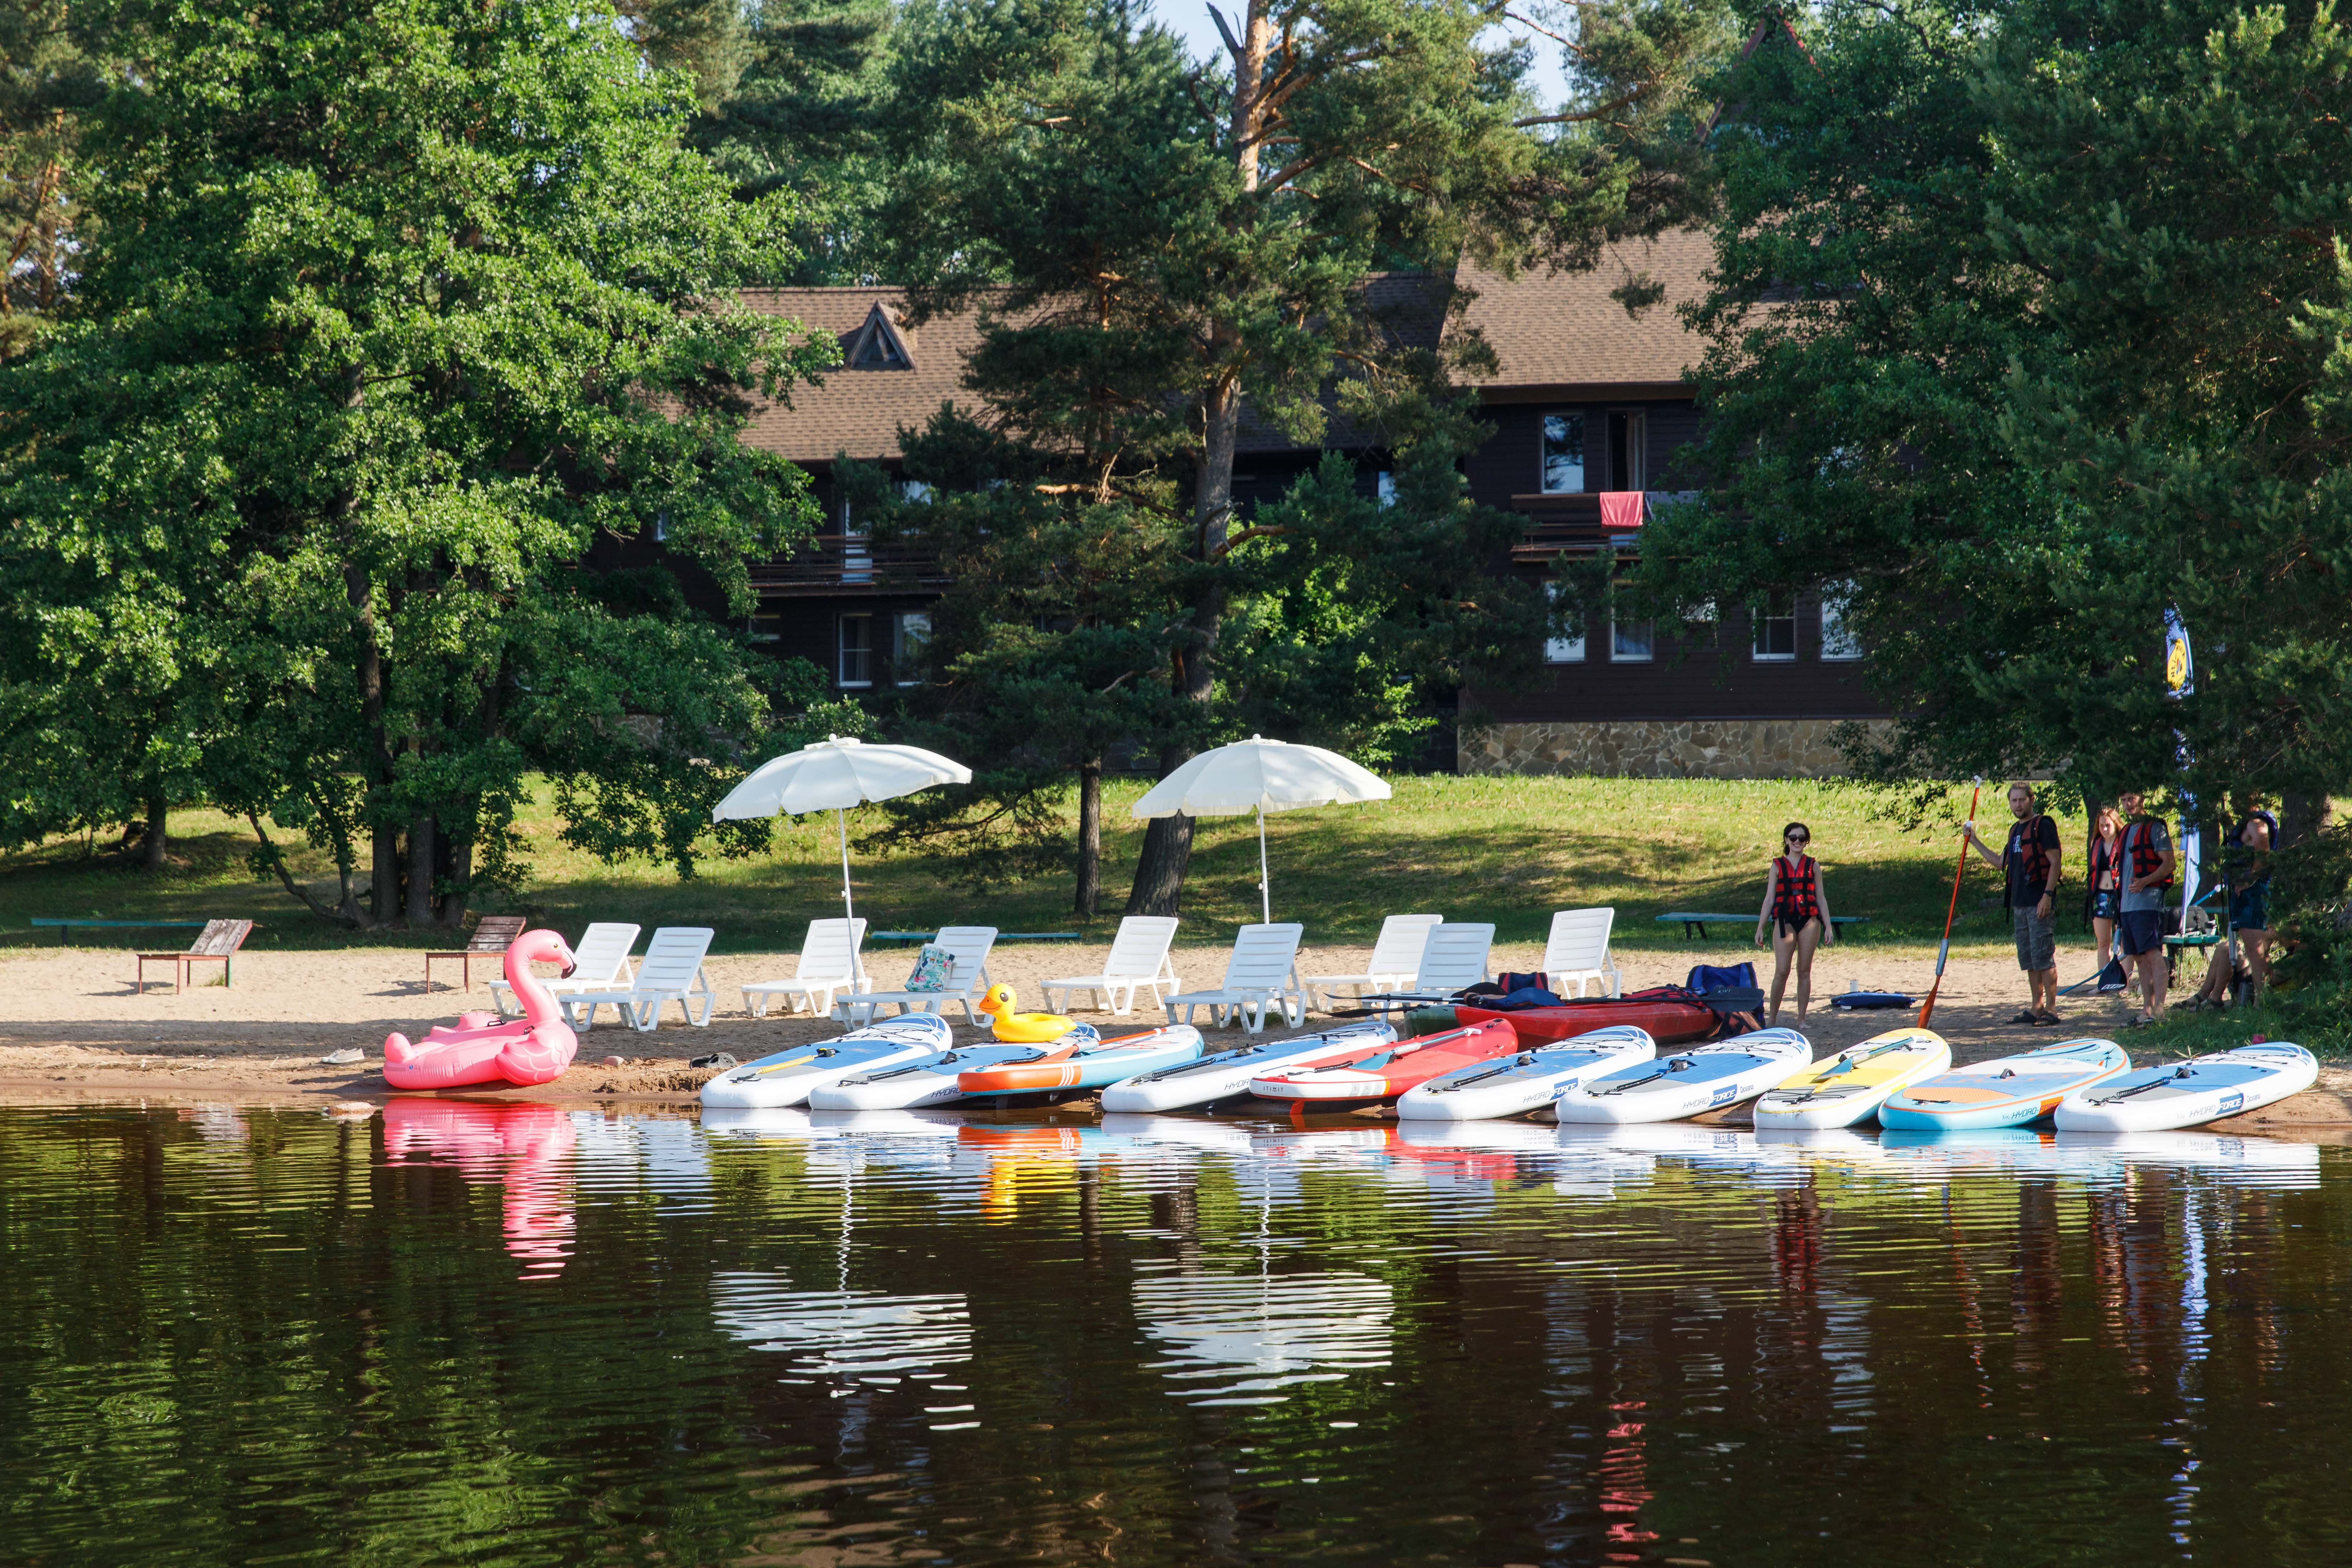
(2024, 1016)
(2049, 1020)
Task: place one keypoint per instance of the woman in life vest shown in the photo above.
(1797, 912)
(2106, 882)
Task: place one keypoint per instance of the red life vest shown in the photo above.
(2028, 834)
(2106, 868)
(1796, 891)
(2145, 857)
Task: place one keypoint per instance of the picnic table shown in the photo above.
(1694, 921)
(1001, 936)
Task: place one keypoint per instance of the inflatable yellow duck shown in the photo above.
(1022, 1028)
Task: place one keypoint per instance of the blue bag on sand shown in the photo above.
(1706, 977)
(1866, 1001)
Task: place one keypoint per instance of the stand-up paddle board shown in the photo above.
(2186, 1094)
(926, 1081)
(1532, 1079)
(1851, 1086)
(1227, 1074)
(787, 1076)
(2009, 1091)
(1706, 1078)
(1090, 1065)
(1385, 1074)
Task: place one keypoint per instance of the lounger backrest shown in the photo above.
(602, 950)
(1402, 937)
(221, 939)
(1263, 956)
(673, 958)
(968, 947)
(1141, 945)
(829, 952)
(1455, 956)
(496, 933)
(1580, 939)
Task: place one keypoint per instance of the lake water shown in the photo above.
(513, 1333)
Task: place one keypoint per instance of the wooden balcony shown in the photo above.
(836, 565)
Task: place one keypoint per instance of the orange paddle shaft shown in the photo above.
(1928, 1008)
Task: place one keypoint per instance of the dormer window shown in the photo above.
(879, 343)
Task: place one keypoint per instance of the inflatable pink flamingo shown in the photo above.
(482, 1048)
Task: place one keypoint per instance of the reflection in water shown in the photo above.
(524, 1147)
(240, 1334)
(1238, 1338)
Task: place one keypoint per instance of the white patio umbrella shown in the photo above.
(835, 774)
(1261, 776)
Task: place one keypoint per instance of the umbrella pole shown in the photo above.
(842, 817)
(1264, 897)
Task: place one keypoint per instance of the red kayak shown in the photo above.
(1674, 1017)
(1387, 1072)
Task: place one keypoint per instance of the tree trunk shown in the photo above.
(457, 866)
(158, 813)
(421, 837)
(2300, 815)
(383, 868)
(1089, 836)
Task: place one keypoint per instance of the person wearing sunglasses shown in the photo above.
(1797, 911)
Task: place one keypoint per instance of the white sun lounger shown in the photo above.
(600, 962)
(1138, 961)
(829, 964)
(1396, 958)
(968, 947)
(1454, 959)
(671, 970)
(1262, 973)
(1579, 951)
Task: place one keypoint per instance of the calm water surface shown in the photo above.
(513, 1333)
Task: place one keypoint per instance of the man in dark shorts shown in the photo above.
(2030, 862)
(2148, 864)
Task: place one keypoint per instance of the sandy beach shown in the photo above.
(73, 1027)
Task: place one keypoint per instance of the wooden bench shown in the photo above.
(1006, 936)
(493, 935)
(1695, 921)
(217, 944)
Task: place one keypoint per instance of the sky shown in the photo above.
(1189, 18)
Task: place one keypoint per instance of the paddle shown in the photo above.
(1928, 1008)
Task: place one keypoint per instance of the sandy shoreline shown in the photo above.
(73, 1030)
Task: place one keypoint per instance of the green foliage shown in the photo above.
(2027, 327)
(398, 310)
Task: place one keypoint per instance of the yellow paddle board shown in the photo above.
(1839, 1090)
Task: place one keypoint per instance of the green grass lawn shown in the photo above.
(1507, 849)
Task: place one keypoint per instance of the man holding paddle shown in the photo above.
(2030, 862)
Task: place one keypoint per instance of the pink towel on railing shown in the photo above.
(1621, 511)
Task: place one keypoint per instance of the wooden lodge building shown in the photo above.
(1584, 400)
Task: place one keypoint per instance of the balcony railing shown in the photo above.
(835, 564)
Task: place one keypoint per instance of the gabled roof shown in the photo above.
(1556, 334)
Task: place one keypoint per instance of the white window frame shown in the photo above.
(1760, 615)
(1841, 644)
(842, 650)
(899, 660)
(1543, 462)
(1619, 651)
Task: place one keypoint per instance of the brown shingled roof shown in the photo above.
(1550, 331)
(1554, 330)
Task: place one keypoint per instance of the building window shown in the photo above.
(1631, 642)
(1564, 649)
(766, 627)
(854, 667)
(1628, 432)
(914, 490)
(1384, 486)
(1563, 454)
(1839, 640)
(1776, 631)
(910, 647)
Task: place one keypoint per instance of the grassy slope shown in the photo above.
(1507, 849)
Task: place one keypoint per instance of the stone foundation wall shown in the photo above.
(1658, 749)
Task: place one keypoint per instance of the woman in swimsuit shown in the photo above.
(1797, 911)
(2106, 882)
